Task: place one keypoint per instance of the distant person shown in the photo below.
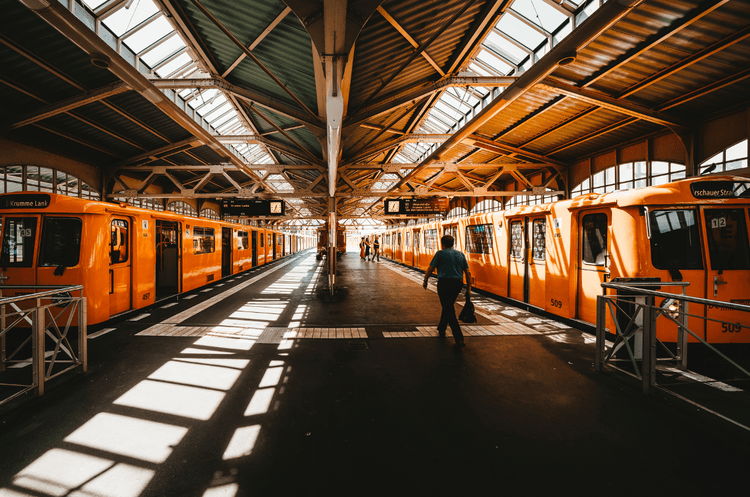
(451, 266)
(376, 248)
(367, 249)
(362, 248)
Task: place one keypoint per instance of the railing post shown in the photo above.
(37, 348)
(82, 334)
(682, 335)
(601, 332)
(648, 366)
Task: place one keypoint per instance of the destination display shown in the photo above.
(252, 207)
(25, 201)
(720, 189)
(416, 206)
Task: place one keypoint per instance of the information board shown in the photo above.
(252, 207)
(416, 206)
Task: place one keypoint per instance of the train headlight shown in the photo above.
(671, 307)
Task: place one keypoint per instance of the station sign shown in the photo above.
(25, 201)
(252, 207)
(416, 206)
(720, 189)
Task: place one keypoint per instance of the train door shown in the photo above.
(226, 251)
(254, 235)
(518, 260)
(728, 260)
(408, 247)
(593, 260)
(120, 259)
(167, 258)
(452, 230)
(272, 241)
(536, 267)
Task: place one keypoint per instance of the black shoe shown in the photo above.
(459, 345)
(441, 334)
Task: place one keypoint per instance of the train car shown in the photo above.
(323, 240)
(556, 256)
(127, 258)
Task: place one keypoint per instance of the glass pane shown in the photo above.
(595, 239)
(118, 244)
(18, 242)
(726, 232)
(675, 240)
(479, 239)
(626, 172)
(658, 168)
(640, 170)
(539, 241)
(430, 240)
(738, 151)
(516, 239)
(61, 242)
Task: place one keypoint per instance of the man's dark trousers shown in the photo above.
(448, 290)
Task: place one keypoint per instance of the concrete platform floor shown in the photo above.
(264, 385)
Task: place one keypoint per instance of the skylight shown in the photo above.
(148, 33)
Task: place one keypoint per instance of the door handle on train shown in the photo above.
(717, 283)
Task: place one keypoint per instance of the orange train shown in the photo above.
(126, 257)
(555, 256)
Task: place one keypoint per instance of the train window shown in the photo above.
(416, 239)
(243, 242)
(407, 240)
(726, 231)
(431, 240)
(18, 242)
(203, 240)
(61, 242)
(399, 240)
(452, 231)
(262, 239)
(675, 240)
(539, 234)
(479, 239)
(595, 239)
(516, 239)
(118, 243)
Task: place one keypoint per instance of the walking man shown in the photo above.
(451, 266)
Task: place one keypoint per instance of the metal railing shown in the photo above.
(635, 316)
(42, 319)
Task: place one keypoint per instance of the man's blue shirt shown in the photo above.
(450, 263)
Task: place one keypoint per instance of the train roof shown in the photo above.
(712, 189)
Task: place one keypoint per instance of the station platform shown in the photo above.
(264, 384)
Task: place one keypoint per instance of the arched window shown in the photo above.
(630, 175)
(488, 205)
(179, 207)
(457, 212)
(530, 200)
(29, 178)
(734, 157)
(210, 214)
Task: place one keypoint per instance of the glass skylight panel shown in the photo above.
(165, 49)
(207, 100)
(508, 46)
(174, 65)
(518, 30)
(124, 19)
(541, 13)
(495, 61)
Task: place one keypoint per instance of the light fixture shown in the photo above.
(567, 58)
(101, 60)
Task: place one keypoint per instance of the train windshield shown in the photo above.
(675, 240)
(726, 232)
(18, 242)
(61, 242)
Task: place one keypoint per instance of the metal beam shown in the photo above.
(601, 20)
(408, 38)
(614, 104)
(257, 40)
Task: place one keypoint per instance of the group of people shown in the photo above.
(369, 250)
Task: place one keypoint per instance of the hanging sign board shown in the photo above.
(252, 207)
(416, 206)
